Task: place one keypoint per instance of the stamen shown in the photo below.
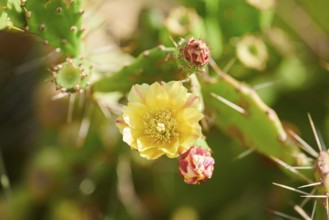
(160, 125)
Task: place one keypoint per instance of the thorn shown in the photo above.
(229, 65)
(327, 207)
(290, 168)
(309, 185)
(173, 41)
(265, 85)
(305, 200)
(315, 132)
(303, 168)
(313, 209)
(301, 212)
(283, 215)
(104, 110)
(70, 110)
(230, 104)
(14, 28)
(244, 154)
(84, 128)
(59, 10)
(291, 189)
(315, 196)
(59, 96)
(304, 146)
(4, 180)
(219, 72)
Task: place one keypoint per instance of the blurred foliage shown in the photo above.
(64, 156)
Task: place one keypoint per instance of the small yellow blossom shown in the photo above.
(160, 119)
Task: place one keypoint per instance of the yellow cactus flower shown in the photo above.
(162, 118)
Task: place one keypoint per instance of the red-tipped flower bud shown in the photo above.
(196, 165)
(194, 54)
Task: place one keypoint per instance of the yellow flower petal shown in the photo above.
(160, 119)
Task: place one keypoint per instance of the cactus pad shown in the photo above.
(71, 76)
(44, 16)
(157, 64)
(258, 127)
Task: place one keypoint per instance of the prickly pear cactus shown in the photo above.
(57, 22)
(72, 75)
(271, 140)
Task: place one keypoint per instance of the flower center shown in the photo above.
(160, 125)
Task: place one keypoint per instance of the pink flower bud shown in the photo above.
(196, 52)
(196, 165)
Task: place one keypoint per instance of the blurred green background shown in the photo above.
(61, 170)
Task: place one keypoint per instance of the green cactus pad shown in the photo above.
(57, 22)
(11, 15)
(258, 127)
(157, 64)
(71, 76)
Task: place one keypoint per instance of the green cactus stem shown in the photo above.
(57, 22)
(157, 64)
(71, 76)
(257, 126)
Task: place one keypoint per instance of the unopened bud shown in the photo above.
(196, 165)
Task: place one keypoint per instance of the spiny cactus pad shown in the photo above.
(71, 76)
(57, 22)
(258, 127)
(157, 64)
(11, 15)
